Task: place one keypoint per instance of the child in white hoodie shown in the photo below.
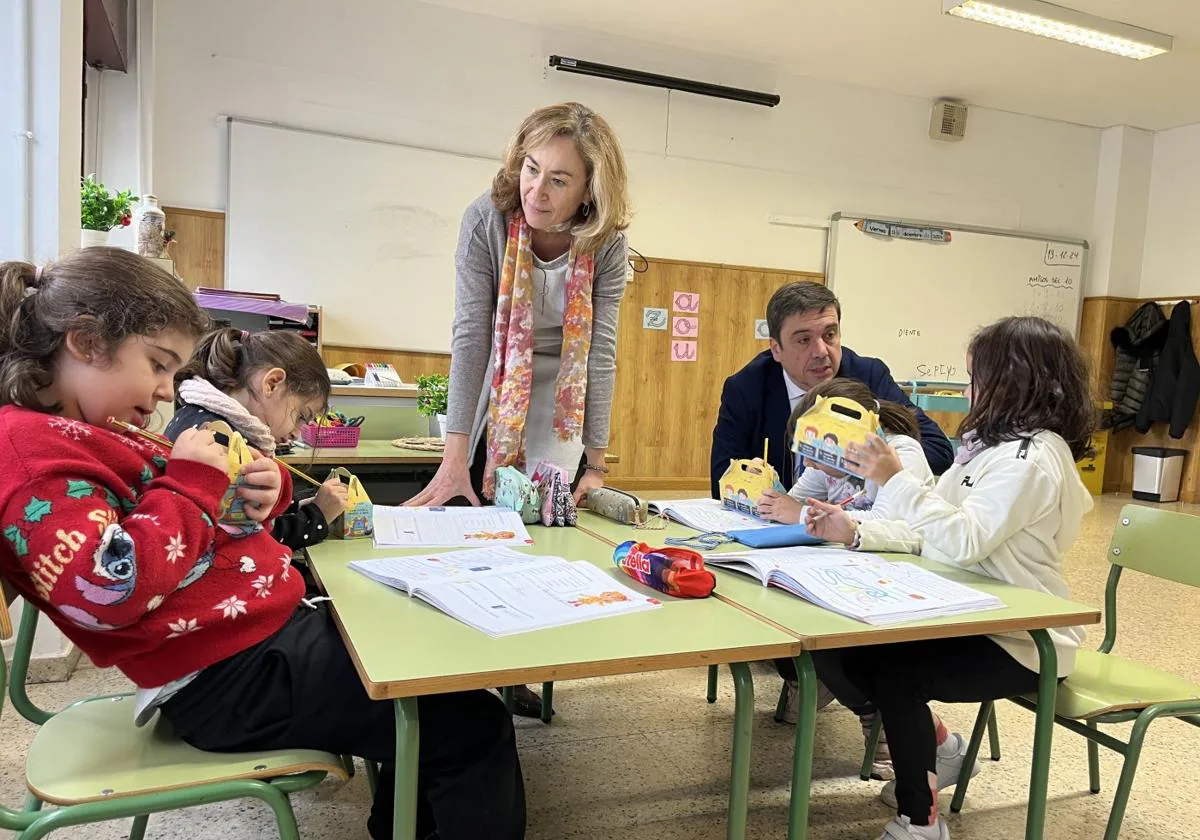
(1009, 508)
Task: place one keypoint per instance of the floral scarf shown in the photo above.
(512, 376)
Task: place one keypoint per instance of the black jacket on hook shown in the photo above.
(1175, 385)
(1136, 347)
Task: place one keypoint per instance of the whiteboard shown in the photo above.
(366, 230)
(915, 304)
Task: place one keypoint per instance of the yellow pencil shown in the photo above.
(129, 427)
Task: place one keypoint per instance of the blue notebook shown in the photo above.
(777, 536)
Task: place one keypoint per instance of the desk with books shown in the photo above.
(818, 629)
(374, 620)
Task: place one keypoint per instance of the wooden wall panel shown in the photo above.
(664, 411)
(409, 365)
(199, 246)
(1100, 316)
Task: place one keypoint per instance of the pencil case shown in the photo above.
(618, 506)
(672, 571)
(516, 492)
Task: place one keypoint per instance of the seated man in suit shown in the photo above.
(806, 349)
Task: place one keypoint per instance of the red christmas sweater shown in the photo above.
(123, 550)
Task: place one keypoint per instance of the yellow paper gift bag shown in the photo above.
(240, 454)
(357, 520)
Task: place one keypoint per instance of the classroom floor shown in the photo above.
(645, 758)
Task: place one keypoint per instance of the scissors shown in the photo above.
(355, 421)
(701, 542)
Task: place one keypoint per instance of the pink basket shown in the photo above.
(332, 437)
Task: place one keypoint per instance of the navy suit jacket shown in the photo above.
(755, 405)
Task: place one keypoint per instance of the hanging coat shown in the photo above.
(1175, 384)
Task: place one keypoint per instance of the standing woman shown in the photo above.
(541, 267)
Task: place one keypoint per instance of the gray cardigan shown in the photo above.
(478, 261)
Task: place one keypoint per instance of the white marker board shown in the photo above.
(915, 304)
(366, 230)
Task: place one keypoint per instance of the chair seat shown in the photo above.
(92, 751)
(1102, 684)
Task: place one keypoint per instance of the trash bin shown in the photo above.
(1157, 471)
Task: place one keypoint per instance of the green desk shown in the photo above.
(375, 620)
(819, 629)
(367, 452)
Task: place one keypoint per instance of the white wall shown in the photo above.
(1171, 261)
(706, 174)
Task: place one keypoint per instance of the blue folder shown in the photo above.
(777, 536)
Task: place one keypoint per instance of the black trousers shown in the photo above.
(831, 670)
(299, 690)
(901, 679)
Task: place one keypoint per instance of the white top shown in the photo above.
(794, 391)
(549, 306)
(1010, 513)
(814, 484)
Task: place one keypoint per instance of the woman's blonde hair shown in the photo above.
(608, 181)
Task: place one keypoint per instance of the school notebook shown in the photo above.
(707, 515)
(501, 591)
(859, 586)
(442, 527)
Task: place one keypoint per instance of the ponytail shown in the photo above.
(25, 352)
(228, 358)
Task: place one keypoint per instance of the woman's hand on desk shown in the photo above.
(452, 479)
(588, 482)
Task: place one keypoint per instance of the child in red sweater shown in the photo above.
(115, 539)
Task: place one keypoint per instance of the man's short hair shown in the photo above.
(795, 298)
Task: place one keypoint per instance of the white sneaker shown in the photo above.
(949, 764)
(900, 828)
(791, 712)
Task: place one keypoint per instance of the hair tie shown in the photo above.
(245, 334)
(37, 274)
(878, 407)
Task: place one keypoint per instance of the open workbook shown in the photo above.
(707, 515)
(501, 591)
(859, 586)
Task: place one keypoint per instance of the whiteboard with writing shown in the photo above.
(916, 302)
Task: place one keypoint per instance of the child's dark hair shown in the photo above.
(103, 295)
(1027, 376)
(229, 357)
(894, 418)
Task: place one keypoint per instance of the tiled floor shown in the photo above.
(645, 758)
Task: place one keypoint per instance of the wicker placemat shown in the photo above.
(421, 444)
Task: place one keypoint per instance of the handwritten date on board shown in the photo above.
(1063, 254)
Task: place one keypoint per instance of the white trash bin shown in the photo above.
(1157, 471)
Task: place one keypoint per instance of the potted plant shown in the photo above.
(100, 211)
(433, 392)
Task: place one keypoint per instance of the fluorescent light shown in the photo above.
(1050, 21)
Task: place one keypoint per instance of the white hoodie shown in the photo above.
(1009, 513)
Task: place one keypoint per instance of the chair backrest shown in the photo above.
(1157, 542)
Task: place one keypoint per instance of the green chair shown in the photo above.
(91, 762)
(1106, 688)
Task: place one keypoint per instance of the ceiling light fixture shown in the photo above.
(1050, 21)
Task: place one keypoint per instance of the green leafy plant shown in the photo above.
(100, 209)
(433, 392)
